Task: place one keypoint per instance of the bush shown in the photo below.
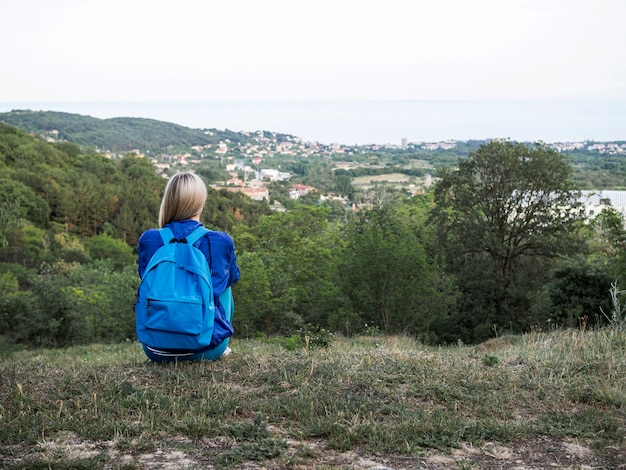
(617, 315)
(315, 336)
(69, 304)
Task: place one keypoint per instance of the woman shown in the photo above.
(181, 207)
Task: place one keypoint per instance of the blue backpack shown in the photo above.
(176, 310)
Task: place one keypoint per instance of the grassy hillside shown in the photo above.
(115, 134)
(533, 401)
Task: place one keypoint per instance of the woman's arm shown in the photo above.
(149, 242)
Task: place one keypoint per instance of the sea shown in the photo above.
(376, 122)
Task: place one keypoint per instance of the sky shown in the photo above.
(145, 50)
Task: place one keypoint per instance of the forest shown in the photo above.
(117, 134)
(497, 246)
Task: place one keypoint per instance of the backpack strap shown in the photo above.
(168, 237)
(197, 234)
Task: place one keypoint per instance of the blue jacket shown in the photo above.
(223, 261)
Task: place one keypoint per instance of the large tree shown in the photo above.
(293, 258)
(386, 273)
(501, 218)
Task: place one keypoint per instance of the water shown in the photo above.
(377, 121)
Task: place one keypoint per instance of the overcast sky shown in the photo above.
(86, 50)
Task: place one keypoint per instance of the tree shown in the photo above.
(385, 272)
(224, 209)
(507, 211)
(24, 245)
(609, 225)
(16, 197)
(105, 247)
(580, 290)
(293, 258)
(10, 219)
(137, 205)
(343, 186)
(252, 297)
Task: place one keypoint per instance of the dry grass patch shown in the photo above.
(534, 401)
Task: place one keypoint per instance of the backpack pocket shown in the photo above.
(177, 315)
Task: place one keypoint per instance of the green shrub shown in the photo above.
(316, 336)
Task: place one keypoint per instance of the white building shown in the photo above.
(274, 175)
(596, 200)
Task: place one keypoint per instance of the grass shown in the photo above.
(387, 399)
(388, 177)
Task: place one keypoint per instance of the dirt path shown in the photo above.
(541, 453)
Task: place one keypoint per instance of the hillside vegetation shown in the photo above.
(120, 134)
(498, 246)
(70, 220)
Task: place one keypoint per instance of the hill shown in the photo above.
(61, 187)
(120, 134)
(542, 400)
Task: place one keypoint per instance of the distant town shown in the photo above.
(250, 173)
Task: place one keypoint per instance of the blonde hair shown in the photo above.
(184, 198)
